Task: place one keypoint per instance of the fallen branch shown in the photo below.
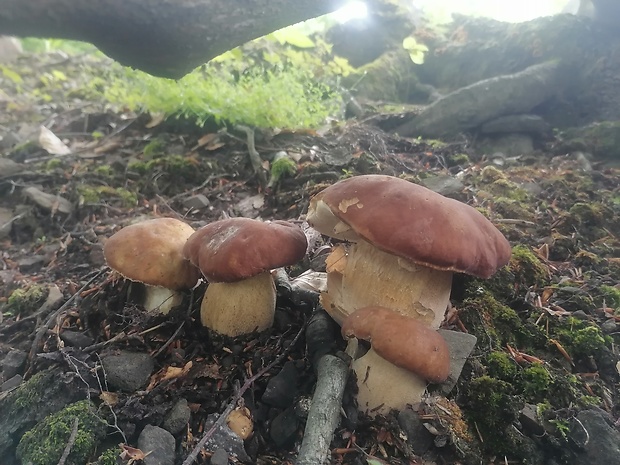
(70, 443)
(324, 411)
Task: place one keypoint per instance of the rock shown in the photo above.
(282, 388)
(13, 363)
(48, 201)
(460, 345)
(444, 185)
(196, 202)
(30, 263)
(127, 371)
(598, 440)
(530, 422)
(225, 439)
(511, 145)
(178, 417)
(8, 167)
(11, 383)
(284, 428)
(219, 457)
(158, 444)
(76, 339)
(609, 326)
(529, 124)
(418, 437)
(6, 221)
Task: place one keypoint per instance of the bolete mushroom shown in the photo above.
(236, 256)
(405, 354)
(406, 243)
(151, 252)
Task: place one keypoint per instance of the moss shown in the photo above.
(508, 189)
(491, 174)
(611, 296)
(457, 159)
(53, 164)
(282, 167)
(29, 392)
(45, 443)
(104, 170)
(590, 214)
(510, 208)
(96, 194)
(109, 456)
(25, 301)
(580, 338)
(501, 366)
(154, 148)
(173, 165)
(535, 380)
(492, 404)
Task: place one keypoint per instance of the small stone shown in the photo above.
(127, 371)
(444, 185)
(284, 428)
(530, 422)
(418, 437)
(219, 457)
(31, 263)
(76, 339)
(609, 326)
(13, 363)
(11, 383)
(598, 440)
(178, 417)
(460, 346)
(158, 444)
(225, 439)
(196, 202)
(282, 388)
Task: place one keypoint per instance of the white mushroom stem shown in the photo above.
(360, 275)
(160, 300)
(382, 386)
(241, 307)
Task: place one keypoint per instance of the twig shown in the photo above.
(238, 394)
(170, 340)
(70, 443)
(324, 412)
(52, 318)
(254, 156)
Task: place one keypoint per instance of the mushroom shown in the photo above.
(151, 252)
(404, 354)
(236, 256)
(407, 241)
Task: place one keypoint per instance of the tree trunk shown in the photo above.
(165, 38)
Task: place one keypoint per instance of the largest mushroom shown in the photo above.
(404, 242)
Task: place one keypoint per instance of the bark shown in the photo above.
(165, 38)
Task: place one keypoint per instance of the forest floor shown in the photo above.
(547, 325)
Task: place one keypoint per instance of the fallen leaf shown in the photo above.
(51, 143)
(156, 120)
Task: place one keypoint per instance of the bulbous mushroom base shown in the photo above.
(360, 275)
(382, 386)
(241, 307)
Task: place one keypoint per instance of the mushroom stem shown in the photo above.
(361, 275)
(240, 307)
(383, 386)
(160, 299)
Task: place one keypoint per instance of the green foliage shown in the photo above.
(282, 167)
(45, 443)
(416, 50)
(109, 456)
(501, 366)
(35, 45)
(611, 295)
(536, 380)
(274, 98)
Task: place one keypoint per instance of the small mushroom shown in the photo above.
(236, 256)
(407, 241)
(151, 252)
(404, 355)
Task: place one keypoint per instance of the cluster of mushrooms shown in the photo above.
(388, 281)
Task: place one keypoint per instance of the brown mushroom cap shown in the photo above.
(151, 252)
(238, 248)
(403, 341)
(412, 222)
